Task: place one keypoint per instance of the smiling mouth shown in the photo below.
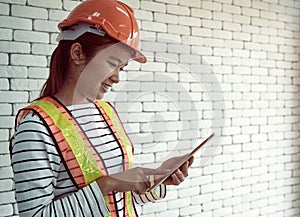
(106, 87)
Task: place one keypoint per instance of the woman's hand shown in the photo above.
(136, 180)
(180, 174)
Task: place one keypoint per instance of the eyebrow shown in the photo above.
(118, 60)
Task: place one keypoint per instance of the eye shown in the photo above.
(113, 65)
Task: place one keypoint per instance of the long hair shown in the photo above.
(60, 60)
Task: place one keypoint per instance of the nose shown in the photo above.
(115, 77)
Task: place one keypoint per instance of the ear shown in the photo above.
(76, 54)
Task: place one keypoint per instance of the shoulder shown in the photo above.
(30, 131)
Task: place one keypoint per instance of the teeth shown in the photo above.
(105, 86)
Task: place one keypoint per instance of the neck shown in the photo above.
(69, 96)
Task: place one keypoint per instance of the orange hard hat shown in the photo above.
(114, 17)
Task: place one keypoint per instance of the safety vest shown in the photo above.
(79, 156)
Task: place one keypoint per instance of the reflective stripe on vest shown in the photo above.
(114, 123)
(82, 161)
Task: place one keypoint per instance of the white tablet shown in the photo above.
(181, 162)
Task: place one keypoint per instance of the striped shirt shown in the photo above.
(44, 186)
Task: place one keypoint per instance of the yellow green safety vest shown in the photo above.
(79, 156)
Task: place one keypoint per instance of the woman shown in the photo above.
(70, 154)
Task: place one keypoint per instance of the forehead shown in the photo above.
(118, 51)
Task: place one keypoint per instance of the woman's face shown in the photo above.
(111, 80)
(102, 71)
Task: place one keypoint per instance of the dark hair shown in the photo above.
(60, 59)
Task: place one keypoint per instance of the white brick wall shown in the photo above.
(248, 48)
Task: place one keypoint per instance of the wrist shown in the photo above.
(106, 184)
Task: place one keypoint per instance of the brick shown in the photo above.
(144, 15)
(192, 4)
(260, 5)
(154, 26)
(205, 32)
(179, 10)
(7, 197)
(15, 22)
(29, 12)
(4, 149)
(45, 26)
(45, 4)
(29, 36)
(3, 59)
(43, 49)
(13, 96)
(202, 13)
(212, 205)
(222, 16)
(208, 188)
(292, 11)
(242, 36)
(24, 60)
(6, 109)
(6, 209)
(213, 24)
(174, 212)
(58, 15)
(233, 44)
(5, 159)
(157, 86)
(18, 2)
(13, 71)
(168, 38)
(178, 203)
(180, 30)
(211, 6)
(228, 8)
(165, 18)
(222, 34)
(189, 21)
(70, 5)
(6, 185)
(6, 121)
(188, 58)
(178, 48)
(154, 208)
(223, 211)
(176, 2)
(4, 9)
(222, 52)
(189, 210)
(4, 135)
(6, 35)
(232, 26)
(14, 47)
(4, 84)
(133, 4)
(153, 6)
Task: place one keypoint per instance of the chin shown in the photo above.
(100, 96)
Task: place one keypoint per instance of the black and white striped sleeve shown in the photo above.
(37, 164)
(156, 194)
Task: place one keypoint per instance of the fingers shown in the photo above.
(191, 160)
(184, 169)
(178, 177)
